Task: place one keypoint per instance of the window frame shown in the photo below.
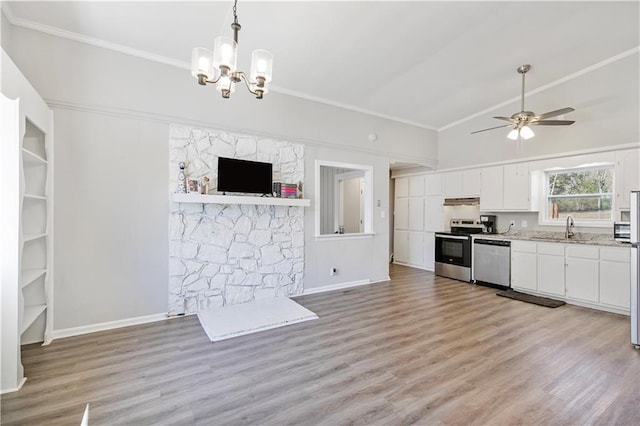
(595, 223)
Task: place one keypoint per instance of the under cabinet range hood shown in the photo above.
(469, 201)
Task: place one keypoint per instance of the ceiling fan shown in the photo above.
(521, 121)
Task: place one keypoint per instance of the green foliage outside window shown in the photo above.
(584, 194)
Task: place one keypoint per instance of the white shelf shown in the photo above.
(31, 314)
(35, 197)
(31, 158)
(31, 237)
(30, 275)
(239, 199)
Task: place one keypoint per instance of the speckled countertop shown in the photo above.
(557, 237)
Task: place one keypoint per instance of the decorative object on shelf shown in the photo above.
(194, 186)
(204, 185)
(277, 189)
(289, 190)
(299, 189)
(521, 121)
(182, 179)
(220, 65)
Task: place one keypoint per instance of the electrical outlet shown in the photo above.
(333, 271)
(512, 223)
(523, 224)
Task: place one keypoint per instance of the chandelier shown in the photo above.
(220, 66)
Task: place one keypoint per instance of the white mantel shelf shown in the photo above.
(239, 199)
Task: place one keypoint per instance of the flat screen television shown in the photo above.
(252, 177)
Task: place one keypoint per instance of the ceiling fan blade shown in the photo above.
(553, 122)
(491, 128)
(505, 119)
(554, 113)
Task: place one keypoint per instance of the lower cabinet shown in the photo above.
(597, 276)
(429, 251)
(416, 248)
(581, 273)
(551, 269)
(615, 277)
(401, 246)
(523, 265)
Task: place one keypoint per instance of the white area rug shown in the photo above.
(237, 320)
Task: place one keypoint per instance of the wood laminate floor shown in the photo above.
(419, 349)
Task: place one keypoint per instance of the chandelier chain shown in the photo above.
(235, 12)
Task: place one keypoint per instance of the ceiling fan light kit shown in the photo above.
(523, 120)
(220, 66)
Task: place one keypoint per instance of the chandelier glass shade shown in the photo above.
(220, 66)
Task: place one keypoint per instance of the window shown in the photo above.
(586, 194)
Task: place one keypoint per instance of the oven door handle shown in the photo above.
(451, 237)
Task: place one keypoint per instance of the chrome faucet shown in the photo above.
(568, 233)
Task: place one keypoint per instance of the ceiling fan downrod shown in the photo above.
(523, 70)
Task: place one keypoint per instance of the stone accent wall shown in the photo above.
(223, 254)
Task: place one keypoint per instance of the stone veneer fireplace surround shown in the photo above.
(223, 254)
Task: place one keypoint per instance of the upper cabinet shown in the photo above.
(508, 188)
(465, 183)
(416, 186)
(402, 187)
(433, 184)
(627, 178)
(492, 191)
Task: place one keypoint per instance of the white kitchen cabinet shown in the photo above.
(402, 187)
(416, 214)
(508, 188)
(627, 178)
(401, 246)
(429, 250)
(416, 249)
(581, 273)
(401, 214)
(492, 189)
(517, 187)
(452, 184)
(416, 186)
(551, 269)
(433, 213)
(465, 183)
(523, 265)
(433, 184)
(615, 277)
(471, 182)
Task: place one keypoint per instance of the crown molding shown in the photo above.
(92, 41)
(171, 119)
(547, 86)
(349, 107)
(96, 42)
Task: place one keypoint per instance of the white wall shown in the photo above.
(606, 114)
(356, 259)
(111, 218)
(112, 113)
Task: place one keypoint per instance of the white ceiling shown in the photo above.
(426, 63)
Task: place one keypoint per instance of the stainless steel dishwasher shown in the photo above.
(492, 262)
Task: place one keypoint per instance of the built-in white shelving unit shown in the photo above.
(239, 199)
(26, 222)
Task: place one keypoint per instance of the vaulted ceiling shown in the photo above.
(429, 64)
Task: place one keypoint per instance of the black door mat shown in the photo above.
(536, 300)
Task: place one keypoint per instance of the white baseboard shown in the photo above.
(85, 329)
(339, 286)
(17, 388)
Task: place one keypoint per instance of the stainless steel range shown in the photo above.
(453, 249)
